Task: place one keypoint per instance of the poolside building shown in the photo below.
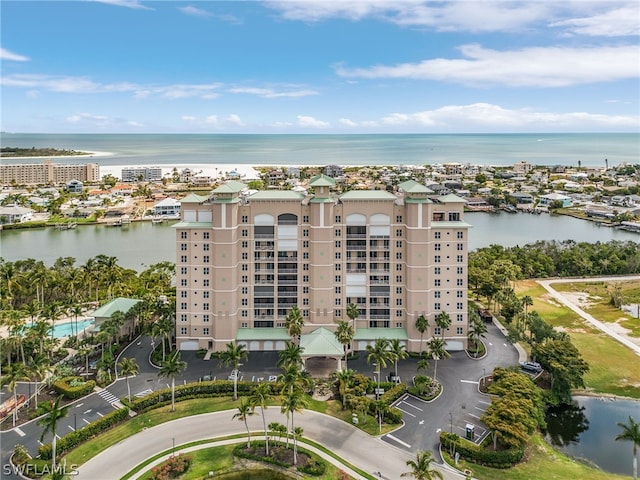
(244, 260)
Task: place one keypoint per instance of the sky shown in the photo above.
(358, 66)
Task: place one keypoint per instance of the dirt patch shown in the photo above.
(581, 299)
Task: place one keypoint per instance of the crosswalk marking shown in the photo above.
(108, 396)
(19, 432)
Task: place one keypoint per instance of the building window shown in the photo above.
(183, 270)
(305, 267)
(459, 317)
(305, 301)
(399, 314)
(244, 314)
(459, 294)
(305, 233)
(338, 301)
(338, 232)
(183, 317)
(460, 306)
(398, 290)
(205, 306)
(399, 324)
(245, 256)
(436, 270)
(245, 267)
(183, 282)
(338, 267)
(183, 330)
(436, 306)
(460, 270)
(183, 235)
(436, 294)
(183, 305)
(183, 258)
(398, 243)
(305, 219)
(205, 294)
(245, 232)
(459, 330)
(459, 282)
(398, 218)
(338, 290)
(205, 331)
(338, 219)
(245, 219)
(338, 313)
(305, 244)
(205, 235)
(398, 278)
(436, 235)
(436, 259)
(398, 233)
(245, 302)
(460, 259)
(398, 255)
(454, 216)
(245, 290)
(338, 279)
(205, 271)
(437, 331)
(305, 313)
(183, 247)
(460, 235)
(460, 247)
(244, 324)
(245, 244)
(338, 255)
(245, 279)
(205, 247)
(305, 279)
(205, 318)
(399, 267)
(183, 294)
(305, 255)
(398, 302)
(338, 244)
(205, 259)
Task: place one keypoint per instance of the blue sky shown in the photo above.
(136, 66)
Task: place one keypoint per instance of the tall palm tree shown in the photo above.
(39, 367)
(353, 312)
(379, 354)
(76, 310)
(259, 398)
(53, 413)
(344, 334)
(477, 330)
(51, 312)
(15, 373)
(422, 324)
(171, 368)
(438, 352)
(345, 381)
(631, 433)
(85, 352)
(128, 367)
(293, 402)
(398, 352)
(294, 323)
(423, 363)
(233, 355)
(421, 467)
(245, 409)
(40, 331)
(443, 321)
(291, 355)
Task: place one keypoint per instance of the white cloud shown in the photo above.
(528, 67)
(488, 117)
(235, 120)
(14, 57)
(270, 93)
(307, 121)
(347, 122)
(134, 4)
(88, 118)
(231, 120)
(616, 22)
(194, 11)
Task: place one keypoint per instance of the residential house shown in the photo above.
(15, 214)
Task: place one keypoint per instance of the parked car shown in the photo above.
(531, 367)
(394, 378)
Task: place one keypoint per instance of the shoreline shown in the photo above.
(85, 154)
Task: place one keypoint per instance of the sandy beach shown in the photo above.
(215, 171)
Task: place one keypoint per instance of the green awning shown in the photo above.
(373, 333)
(262, 334)
(320, 342)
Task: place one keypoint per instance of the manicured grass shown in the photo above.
(542, 462)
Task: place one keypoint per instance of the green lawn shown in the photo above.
(542, 462)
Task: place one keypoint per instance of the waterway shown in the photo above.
(587, 429)
(142, 243)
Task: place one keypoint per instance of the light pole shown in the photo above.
(75, 421)
(451, 423)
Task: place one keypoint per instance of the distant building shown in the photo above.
(15, 214)
(522, 167)
(141, 174)
(169, 207)
(48, 173)
(74, 186)
(550, 198)
(333, 171)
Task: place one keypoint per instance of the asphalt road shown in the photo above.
(459, 404)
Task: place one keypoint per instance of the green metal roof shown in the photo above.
(192, 225)
(116, 305)
(451, 225)
(320, 342)
(451, 198)
(193, 198)
(411, 186)
(373, 333)
(231, 186)
(367, 195)
(263, 334)
(417, 200)
(322, 180)
(276, 195)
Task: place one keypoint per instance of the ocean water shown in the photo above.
(366, 149)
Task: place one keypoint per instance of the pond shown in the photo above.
(262, 474)
(587, 429)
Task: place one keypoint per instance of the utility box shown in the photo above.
(471, 432)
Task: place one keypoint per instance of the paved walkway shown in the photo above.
(356, 447)
(588, 317)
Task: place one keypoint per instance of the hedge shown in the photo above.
(479, 455)
(71, 392)
(316, 467)
(73, 439)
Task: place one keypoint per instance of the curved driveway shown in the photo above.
(356, 447)
(588, 317)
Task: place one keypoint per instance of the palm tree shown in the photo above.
(171, 368)
(245, 409)
(259, 398)
(39, 367)
(631, 433)
(294, 323)
(232, 356)
(76, 310)
(51, 311)
(291, 355)
(423, 363)
(16, 372)
(421, 325)
(353, 312)
(421, 467)
(128, 367)
(293, 402)
(477, 330)
(85, 352)
(344, 334)
(398, 352)
(379, 354)
(438, 352)
(53, 413)
(443, 321)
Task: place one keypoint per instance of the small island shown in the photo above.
(38, 152)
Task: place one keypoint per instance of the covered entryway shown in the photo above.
(322, 353)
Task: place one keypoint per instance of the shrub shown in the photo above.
(73, 387)
(473, 453)
(173, 467)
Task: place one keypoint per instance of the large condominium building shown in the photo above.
(48, 173)
(139, 174)
(243, 261)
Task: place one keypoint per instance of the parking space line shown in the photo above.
(398, 440)
(481, 409)
(411, 405)
(470, 381)
(474, 416)
(86, 421)
(483, 402)
(403, 411)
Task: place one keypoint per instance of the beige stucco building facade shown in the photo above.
(48, 173)
(243, 261)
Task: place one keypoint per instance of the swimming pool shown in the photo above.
(69, 328)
